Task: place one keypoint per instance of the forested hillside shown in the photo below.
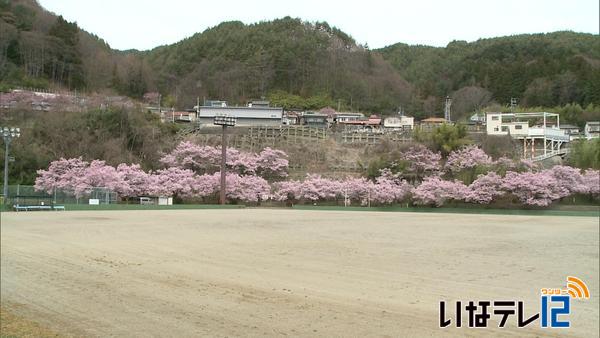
(242, 62)
(39, 49)
(539, 69)
(305, 65)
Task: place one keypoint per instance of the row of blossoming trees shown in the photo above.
(422, 177)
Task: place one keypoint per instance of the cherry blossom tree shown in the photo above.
(535, 189)
(269, 163)
(78, 177)
(591, 182)
(315, 188)
(437, 191)
(287, 190)
(485, 188)
(172, 181)
(97, 175)
(421, 161)
(272, 163)
(187, 155)
(504, 164)
(467, 158)
(191, 174)
(246, 188)
(569, 180)
(241, 162)
(61, 174)
(357, 190)
(388, 188)
(135, 180)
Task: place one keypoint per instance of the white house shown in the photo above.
(542, 139)
(592, 129)
(505, 124)
(399, 122)
(342, 117)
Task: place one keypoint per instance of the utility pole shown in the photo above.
(8, 134)
(447, 108)
(224, 121)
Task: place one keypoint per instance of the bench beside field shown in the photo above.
(19, 207)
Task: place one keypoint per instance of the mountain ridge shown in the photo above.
(288, 58)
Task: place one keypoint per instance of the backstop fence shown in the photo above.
(27, 195)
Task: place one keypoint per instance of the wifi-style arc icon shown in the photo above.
(577, 288)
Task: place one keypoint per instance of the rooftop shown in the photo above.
(435, 120)
(526, 115)
(568, 126)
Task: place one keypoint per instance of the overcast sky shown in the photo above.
(145, 24)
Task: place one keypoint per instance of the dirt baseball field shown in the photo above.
(262, 272)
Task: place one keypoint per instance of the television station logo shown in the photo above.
(555, 307)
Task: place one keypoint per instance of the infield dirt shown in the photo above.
(256, 272)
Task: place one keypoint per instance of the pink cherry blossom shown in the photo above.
(269, 163)
(135, 180)
(97, 175)
(272, 163)
(569, 180)
(485, 188)
(61, 174)
(536, 189)
(591, 182)
(421, 161)
(170, 181)
(466, 158)
(436, 191)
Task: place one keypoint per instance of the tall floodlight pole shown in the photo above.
(8, 134)
(447, 108)
(224, 121)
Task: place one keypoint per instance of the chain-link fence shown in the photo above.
(27, 195)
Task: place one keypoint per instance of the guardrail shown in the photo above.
(550, 154)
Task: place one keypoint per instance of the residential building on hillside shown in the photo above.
(314, 119)
(372, 122)
(178, 116)
(259, 103)
(292, 117)
(571, 130)
(433, 121)
(540, 132)
(252, 115)
(341, 117)
(592, 129)
(399, 123)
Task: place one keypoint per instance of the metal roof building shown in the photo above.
(246, 116)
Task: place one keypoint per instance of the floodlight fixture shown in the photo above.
(223, 120)
(8, 134)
